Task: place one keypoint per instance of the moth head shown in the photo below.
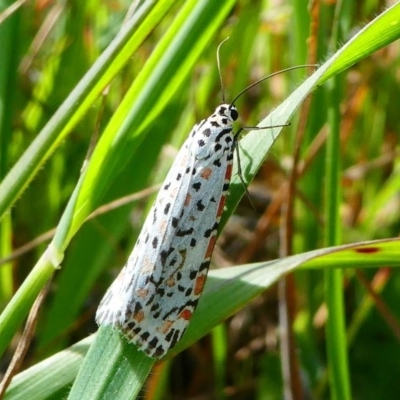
(228, 110)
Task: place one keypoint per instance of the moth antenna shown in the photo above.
(270, 76)
(219, 70)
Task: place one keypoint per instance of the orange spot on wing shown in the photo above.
(165, 327)
(139, 316)
(206, 173)
(188, 199)
(170, 281)
(199, 286)
(221, 206)
(186, 314)
(142, 293)
(228, 172)
(210, 247)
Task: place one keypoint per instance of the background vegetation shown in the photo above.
(331, 178)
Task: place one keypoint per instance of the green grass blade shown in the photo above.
(81, 98)
(380, 32)
(19, 306)
(51, 376)
(8, 75)
(336, 327)
(227, 291)
(120, 377)
(336, 324)
(255, 145)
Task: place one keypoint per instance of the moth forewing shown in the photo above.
(156, 293)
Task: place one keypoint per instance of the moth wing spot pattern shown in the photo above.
(167, 270)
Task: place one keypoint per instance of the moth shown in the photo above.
(155, 295)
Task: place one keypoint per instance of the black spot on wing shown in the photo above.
(193, 274)
(182, 233)
(204, 266)
(153, 343)
(200, 206)
(163, 257)
(209, 232)
(207, 132)
(196, 186)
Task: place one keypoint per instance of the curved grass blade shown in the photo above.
(227, 291)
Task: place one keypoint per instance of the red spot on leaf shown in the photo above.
(367, 250)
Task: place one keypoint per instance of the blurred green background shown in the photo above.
(45, 49)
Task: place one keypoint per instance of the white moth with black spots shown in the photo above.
(156, 293)
(154, 296)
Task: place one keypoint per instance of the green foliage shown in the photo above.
(142, 83)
